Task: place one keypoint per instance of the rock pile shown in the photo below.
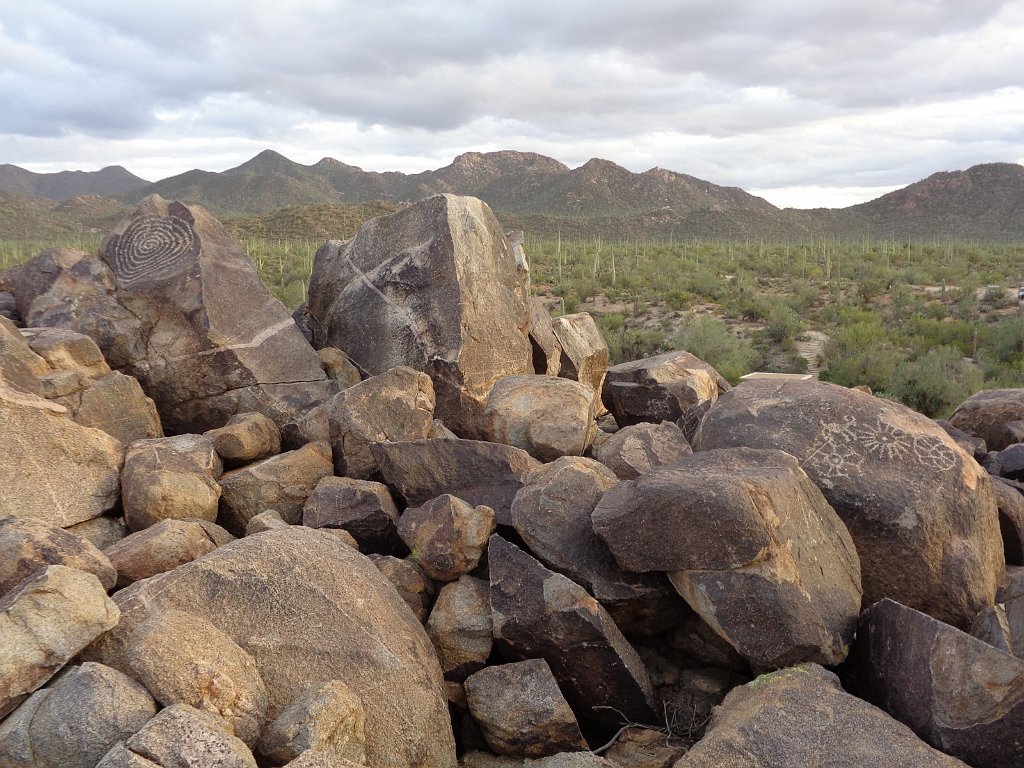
(413, 547)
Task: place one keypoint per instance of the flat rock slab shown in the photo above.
(958, 693)
(921, 512)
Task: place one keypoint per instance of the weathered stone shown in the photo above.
(545, 416)
(20, 367)
(28, 545)
(185, 737)
(690, 421)
(393, 406)
(547, 352)
(184, 659)
(1010, 503)
(74, 722)
(354, 628)
(169, 479)
(446, 536)
(541, 614)
(409, 580)
(44, 622)
(752, 545)
(246, 437)
(265, 521)
(53, 469)
(521, 710)
(958, 693)
(659, 388)
(326, 718)
(8, 306)
(434, 287)
(282, 483)
(362, 507)
(310, 427)
(102, 532)
(972, 445)
(802, 717)
(460, 627)
(552, 513)
(990, 415)
(1008, 463)
(120, 756)
(921, 512)
(159, 548)
(584, 351)
(339, 368)
(66, 350)
(475, 471)
(646, 748)
(993, 627)
(1011, 595)
(310, 759)
(116, 404)
(639, 447)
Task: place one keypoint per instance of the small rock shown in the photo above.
(639, 447)
(181, 736)
(362, 507)
(265, 521)
(325, 718)
(446, 535)
(991, 415)
(102, 531)
(159, 548)
(28, 545)
(993, 627)
(246, 437)
(460, 627)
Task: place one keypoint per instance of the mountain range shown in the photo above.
(542, 195)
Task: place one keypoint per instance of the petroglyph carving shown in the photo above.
(153, 249)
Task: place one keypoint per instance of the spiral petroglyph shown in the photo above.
(152, 249)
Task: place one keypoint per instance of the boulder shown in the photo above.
(265, 521)
(552, 514)
(460, 627)
(410, 582)
(20, 367)
(659, 388)
(53, 469)
(547, 352)
(44, 622)
(475, 471)
(752, 545)
(246, 437)
(8, 306)
(584, 351)
(957, 692)
(446, 536)
(364, 508)
(639, 447)
(433, 287)
(921, 512)
(545, 416)
(158, 549)
(975, 446)
(1010, 503)
(282, 483)
(992, 415)
(993, 627)
(1007, 463)
(327, 718)
(339, 368)
(539, 614)
(802, 717)
(354, 627)
(182, 737)
(116, 404)
(74, 722)
(391, 407)
(29, 545)
(67, 350)
(521, 711)
(101, 532)
(171, 478)
(690, 421)
(184, 659)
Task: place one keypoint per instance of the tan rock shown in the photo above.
(546, 416)
(447, 536)
(157, 549)
(116, 404)
(460, 627)
(28, 545)
(265, 521)
(66, 350)
(362, 507)
(246, 437)
(410, 581)
(184, 659)
(339, 367)
(44, 622)
(639, 447)
(102, 531)
(584, 351)
(53, 469)
(181, 736)
(327, 718)
(20, 367)
(994, 415)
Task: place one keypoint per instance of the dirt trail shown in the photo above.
(812, 346)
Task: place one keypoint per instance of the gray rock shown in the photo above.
(364, 508)
(639, 447)
(327, 718)
(460, 627)
(184, 737)
(993, 627)
(547, 352)
(410, 581)
(991, 415)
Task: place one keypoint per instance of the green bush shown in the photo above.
(711, 341)
(935, 383)
(783, 324)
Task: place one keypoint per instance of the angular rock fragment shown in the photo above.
(181, 736)
(547, 352)
(326, 718)
(410, 581)
(521, 710)
(460, 627)
(639, 447)
(101, 532)
(584, 351)
(993, 627)
(265, 521)
(362, 507)
(29, 545)
(339, 368)
(433, 287)
(116, 404)
(446, 536)
(246, 437)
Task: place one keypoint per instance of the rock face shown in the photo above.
(1010, 502)
(992, 415)
(28, 545)
(921, 512)
(751, 544)
(802, 717)
(541, 614)
(475, 471)
(44, 622)
(354, 628)
(433, 287)
(637, 448)
(659, 388)
(547, 417)
(547, 352)
(521, 711)
(584, 351)
(955, 691)
(53, 469)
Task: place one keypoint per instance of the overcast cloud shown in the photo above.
(825, 103)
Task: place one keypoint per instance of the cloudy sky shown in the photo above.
(829, 102)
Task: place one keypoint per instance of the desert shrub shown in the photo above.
(711, 341)
(935, 383)
(862, 353)
(783, 324)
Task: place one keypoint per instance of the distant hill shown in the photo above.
(36, 218)
(65, 185)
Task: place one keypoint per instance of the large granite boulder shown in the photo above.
(921, 512)
(957, 692)
(800, 717)
(51, 468)
(659, 388)
(433, 287)
(752, 545)
(310, 609)
(538, 613)
(994, 415)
